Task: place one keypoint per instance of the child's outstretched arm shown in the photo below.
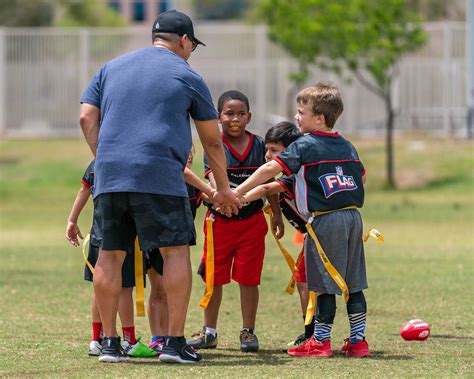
(262, 190)
(264, 173)
(72, 230)
(193, 180)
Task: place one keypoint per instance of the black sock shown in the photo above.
(181, 339)
(308, 329)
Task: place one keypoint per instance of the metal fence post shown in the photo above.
(470, 67)
(84, 58)
(447, 47)
(3, 84)
(260, 77)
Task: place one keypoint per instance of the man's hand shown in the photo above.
(226, 202)
(278, 226)
(72, 232)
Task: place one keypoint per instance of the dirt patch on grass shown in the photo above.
(414, 178)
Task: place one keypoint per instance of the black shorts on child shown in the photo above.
(128, 268)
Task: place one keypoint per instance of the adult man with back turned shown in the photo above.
(135, 118)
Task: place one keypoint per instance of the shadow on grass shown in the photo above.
(451, 337)
(383, 356)
(266, 357)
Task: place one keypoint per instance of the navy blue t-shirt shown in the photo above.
(288, 205)
(240, 167)
(328, 172)
(146, 98)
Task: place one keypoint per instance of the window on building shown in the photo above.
(115, 5)
(164, 5)
(138, 11)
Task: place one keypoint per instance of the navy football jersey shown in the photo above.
(88, 181)
(240, 167)
(288, 206)
(194, 199)
(328, 172)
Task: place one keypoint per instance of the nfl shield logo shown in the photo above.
(339, 170)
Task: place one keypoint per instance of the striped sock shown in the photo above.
(357, 323)
(322, 331)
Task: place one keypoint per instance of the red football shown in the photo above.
(415, 330)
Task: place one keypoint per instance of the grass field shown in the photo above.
(424, 270)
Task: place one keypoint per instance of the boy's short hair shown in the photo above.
(324, 99)
(232, 95)
(284, 132)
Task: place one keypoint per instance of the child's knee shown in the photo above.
(326, 308)
(356, 303)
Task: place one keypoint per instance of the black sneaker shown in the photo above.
(248, 341)
(112, 351)
(178, 352)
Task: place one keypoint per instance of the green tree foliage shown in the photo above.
(366, 37)
(26, 13)
(88, 13)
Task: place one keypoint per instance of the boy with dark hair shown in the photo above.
(330, 187)
(277, 138)
(239, 241)
(131, 346)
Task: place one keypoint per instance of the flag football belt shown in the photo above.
(338, 279)
(139, 283)
(290, 288)
(209, 264)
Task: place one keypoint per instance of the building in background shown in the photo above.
(144, 12)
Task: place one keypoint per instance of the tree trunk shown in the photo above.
(389, 142)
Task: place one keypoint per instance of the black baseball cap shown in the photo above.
(177, 23)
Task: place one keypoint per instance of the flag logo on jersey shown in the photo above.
(337, 182)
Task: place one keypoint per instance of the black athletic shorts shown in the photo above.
(128, 267)
(154, 260)
(158, 220)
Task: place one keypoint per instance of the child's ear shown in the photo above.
(249, 116)
(320, 119)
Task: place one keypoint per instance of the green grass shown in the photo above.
(423, 270)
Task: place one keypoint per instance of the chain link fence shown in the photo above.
(44, 71)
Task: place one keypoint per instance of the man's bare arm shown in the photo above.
(90, 122)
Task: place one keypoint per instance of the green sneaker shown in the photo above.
(138, 350)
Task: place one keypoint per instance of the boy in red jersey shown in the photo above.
(239, 241)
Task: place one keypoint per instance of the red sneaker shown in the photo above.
(359, 349)
(312, 348)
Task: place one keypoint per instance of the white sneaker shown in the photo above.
(95, 348)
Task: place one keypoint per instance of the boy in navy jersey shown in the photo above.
(239, 241)
(329, 186)
(277, 138)
(130, 344)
